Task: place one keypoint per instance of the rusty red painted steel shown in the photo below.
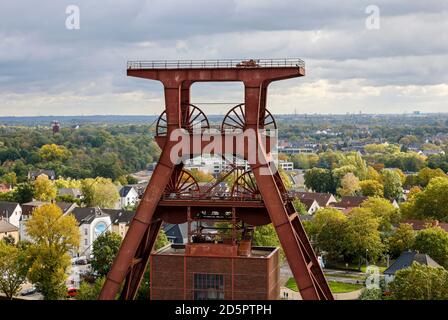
(132, 259)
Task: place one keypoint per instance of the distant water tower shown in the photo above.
(56, 126)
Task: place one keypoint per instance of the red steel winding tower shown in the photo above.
(258, 196)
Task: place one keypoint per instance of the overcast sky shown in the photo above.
(47, 69)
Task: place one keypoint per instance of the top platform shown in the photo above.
(216, 64)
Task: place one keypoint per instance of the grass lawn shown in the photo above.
(348, 276)
(353, 267)
(336, 287)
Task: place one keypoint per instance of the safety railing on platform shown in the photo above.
(213, 64)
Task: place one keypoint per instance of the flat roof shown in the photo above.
(179, 249)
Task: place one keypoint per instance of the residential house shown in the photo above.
(322, 199)
(405, 260)
(176, 233)
(92, 223)
(7, 229)
(11, 212)
(311, 205)
(73, 192)
(348, 203)
(121, 219)
(128, 197)
(32, 175)
(418, 225)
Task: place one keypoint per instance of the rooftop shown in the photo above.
(179, 249)
(7, 227)
(406, 259)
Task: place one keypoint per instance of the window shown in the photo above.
(85, 231)
(208, 286)
(85, 242)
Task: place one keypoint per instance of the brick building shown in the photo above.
(214, 272)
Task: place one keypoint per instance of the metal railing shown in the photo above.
(214, 64)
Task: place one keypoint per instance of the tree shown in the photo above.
(392, 184)
(161, 240)
(402, 239)
(13, 269)
(382, 209)
(53, 152)
(425, 175)
(319, 180)
(100, 192)
(265, 236)
(44, 189)
(349, 185)
(431, 202)
(88, 291)
(372, 174)
(201, 176)
(24, 192)
(371, 188)
(9, 178)
(362, 236)
(434, 242)
(299, 206)
(327, 229)
(420, 282)
(54, 235)
(143, 291)
(9, 239)
(105, 248)
(108, 166)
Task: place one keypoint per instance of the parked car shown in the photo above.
(81, 262)
(72, 292)
(28, 292)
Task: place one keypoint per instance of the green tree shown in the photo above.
(362, 236)
(44, 189)
(9, 178)
(434, 242)
(53, 152)
(402, 239)
(100, 192)
(371, 188)
(24, 192)
(13, 269)
(54, 235)
(420, 282)
(425, 175)
(265, 236)
(88, 291)
(392, 184)
(105, 248)
(429, 203)
(161, 240)
(299, 206)
(382, 209)
(327, 229)
(319, 180)
(143, 291)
